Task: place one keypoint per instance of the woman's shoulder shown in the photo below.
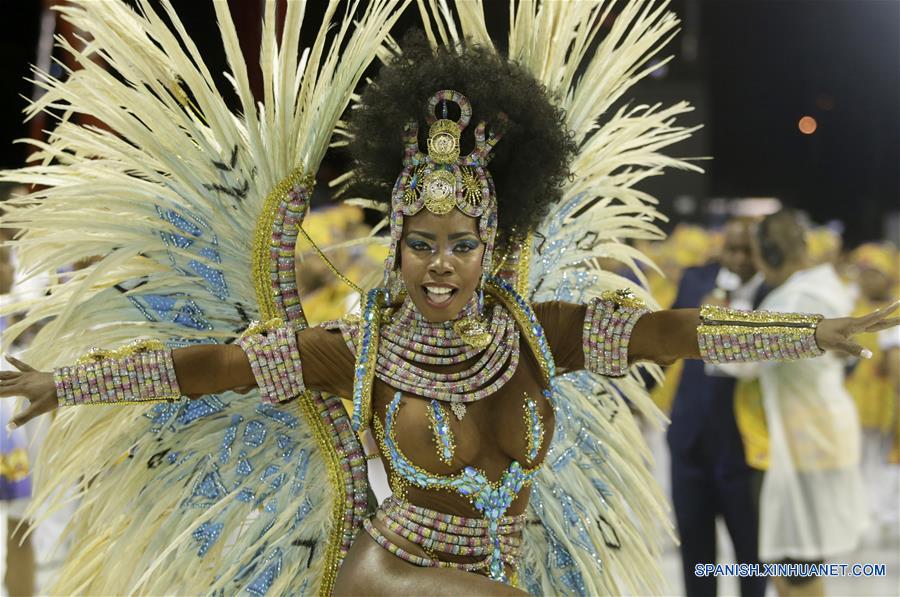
(344, 332)
(554, 313)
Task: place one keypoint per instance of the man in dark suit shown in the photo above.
(710, 476)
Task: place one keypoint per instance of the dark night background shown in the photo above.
(752, 68)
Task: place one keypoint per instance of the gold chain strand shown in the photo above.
(330, 265)
(520, 249)
(714, 315)
(792, 332)
(523, 267)
(140, 345)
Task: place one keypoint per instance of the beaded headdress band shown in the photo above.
(442, 179)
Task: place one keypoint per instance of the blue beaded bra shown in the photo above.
(491, 499)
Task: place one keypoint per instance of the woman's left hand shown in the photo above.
(837, 334)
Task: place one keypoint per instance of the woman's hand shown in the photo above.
(837, 334)
(36, 386)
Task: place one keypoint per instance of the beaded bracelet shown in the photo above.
(732, 336)
(140, 372)
(274, 358)
(607, 331)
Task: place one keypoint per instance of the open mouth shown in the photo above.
(439, 296)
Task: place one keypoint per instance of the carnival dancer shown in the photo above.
(507, 475)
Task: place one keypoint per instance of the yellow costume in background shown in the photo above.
(824, 245)
(869, 383)
(873, 269)
(325, 296)
(751, 422)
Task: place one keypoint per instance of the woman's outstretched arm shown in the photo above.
(616, 332)
(665, 336)
(199, 370)
(193, 371)
(211, 369)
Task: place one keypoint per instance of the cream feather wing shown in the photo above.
(191, 210)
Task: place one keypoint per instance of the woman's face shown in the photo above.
(440, 262)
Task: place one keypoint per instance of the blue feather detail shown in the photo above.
(207, 534)
(262, 583)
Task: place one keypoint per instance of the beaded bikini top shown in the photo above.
(491, 499)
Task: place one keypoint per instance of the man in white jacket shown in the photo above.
(811, 502)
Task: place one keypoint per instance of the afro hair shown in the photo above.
(530, 162)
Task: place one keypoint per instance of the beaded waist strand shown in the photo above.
(445, 534)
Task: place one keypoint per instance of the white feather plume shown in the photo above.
(166, 195)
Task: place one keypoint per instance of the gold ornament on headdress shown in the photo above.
(443, 141)
(441, 179)
(412, 191)
(439, 188)
(472, 187)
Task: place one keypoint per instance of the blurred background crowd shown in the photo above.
(799, 106)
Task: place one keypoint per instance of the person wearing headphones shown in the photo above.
(811, 502)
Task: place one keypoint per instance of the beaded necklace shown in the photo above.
(440, 533)
(408, 333)
(399, 357)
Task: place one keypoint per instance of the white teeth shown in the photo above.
(438, 294)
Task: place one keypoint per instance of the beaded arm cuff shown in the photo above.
(607, 330)
(731, 336)
(274, 358)
(140, 372)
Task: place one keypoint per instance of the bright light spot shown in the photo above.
(807, 125)
(685, 205)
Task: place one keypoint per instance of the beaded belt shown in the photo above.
(439, 533)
